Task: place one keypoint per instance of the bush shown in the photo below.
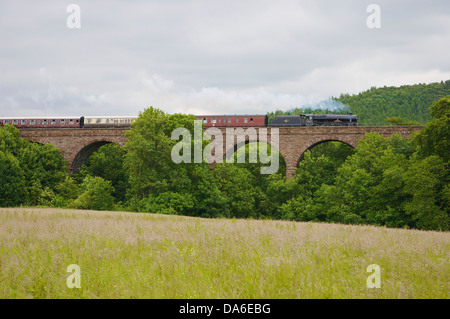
(167, 203)
(96, 193)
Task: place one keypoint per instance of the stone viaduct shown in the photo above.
(77, 144)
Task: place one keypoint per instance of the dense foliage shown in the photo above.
(408, 102)
(394, 182)
(30, 173)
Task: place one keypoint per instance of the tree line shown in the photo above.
(387, 181)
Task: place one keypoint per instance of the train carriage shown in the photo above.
(108, 121)
(233, 120)
(42, 122)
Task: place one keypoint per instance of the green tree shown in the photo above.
(427, 183)
(43, 163)
(167, 203)
(108, 163)
(148, 161)
(10, 140)
(318, 167)
(153, 172)
(434, 138)
(96, 194)
(368, 185)
(42, 166)
(66, 192)
(12, 180)
(236, 184)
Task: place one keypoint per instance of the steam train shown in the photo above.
(208, 121)
(315, 120)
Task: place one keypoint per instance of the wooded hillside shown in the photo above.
(410, 102)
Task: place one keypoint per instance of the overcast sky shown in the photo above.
(211, 57)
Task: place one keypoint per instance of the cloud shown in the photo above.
(212, 56)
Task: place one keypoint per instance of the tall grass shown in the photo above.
(131, 255)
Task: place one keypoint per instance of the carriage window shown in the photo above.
(229, 120)
(23, 122)
(205, 120)
(245, 120)
(220, 121)
(44, 122)
(62, 122)
(99, 121)
(213, 120)
(53, 122)
(15, 122)
(70, 121)
(32, 122)
(116, 121)
(237, 120)
(251, 120)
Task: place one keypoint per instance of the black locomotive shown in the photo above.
(314, 120)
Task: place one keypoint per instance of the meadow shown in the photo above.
(138, 255)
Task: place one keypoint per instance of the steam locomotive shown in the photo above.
(315, 120)
(208, 121)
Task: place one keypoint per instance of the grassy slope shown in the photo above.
(124, 255)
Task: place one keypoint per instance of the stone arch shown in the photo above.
(295, 147)
(302, 155)
(82, 154)
(232, 150)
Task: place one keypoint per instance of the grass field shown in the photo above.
(130, 255)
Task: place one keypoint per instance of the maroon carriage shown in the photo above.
(233, 120)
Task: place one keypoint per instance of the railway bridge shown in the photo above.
(78, 144)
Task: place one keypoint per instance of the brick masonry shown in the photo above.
(77, 145)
